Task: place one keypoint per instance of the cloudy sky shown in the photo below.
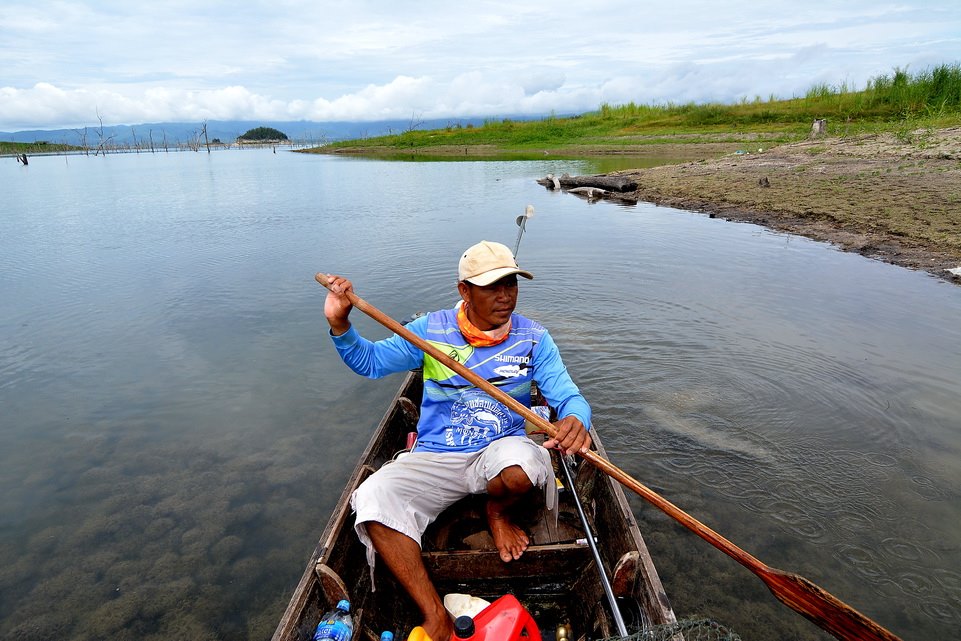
(63, 63)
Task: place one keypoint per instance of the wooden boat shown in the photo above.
(556, 579)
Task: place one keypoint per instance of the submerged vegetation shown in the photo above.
(901, 101)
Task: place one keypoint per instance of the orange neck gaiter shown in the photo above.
(478, 337)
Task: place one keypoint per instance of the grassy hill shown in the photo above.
(901, 102)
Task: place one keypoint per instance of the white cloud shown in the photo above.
(64, 61)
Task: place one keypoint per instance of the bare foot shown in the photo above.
(510, 540)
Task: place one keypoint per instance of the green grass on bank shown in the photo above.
(39, 147)
(901, 101)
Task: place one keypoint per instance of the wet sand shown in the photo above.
(893, 197)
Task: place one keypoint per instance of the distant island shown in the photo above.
(262, 135)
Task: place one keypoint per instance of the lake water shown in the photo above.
(175, 426)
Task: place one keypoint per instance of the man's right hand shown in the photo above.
(337, 306)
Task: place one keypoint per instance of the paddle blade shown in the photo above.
(823, 608)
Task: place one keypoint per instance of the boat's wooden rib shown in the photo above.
(555, 579)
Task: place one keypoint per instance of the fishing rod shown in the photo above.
(522, 223)
(569, 477)
(605, 583)
(566, 466)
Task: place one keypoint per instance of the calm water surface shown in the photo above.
(175, 426)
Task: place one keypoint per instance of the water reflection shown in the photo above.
(176, 427)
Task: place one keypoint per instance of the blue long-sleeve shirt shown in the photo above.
(455, 415)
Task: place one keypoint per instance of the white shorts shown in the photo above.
(409, 493)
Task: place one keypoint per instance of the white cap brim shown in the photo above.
(494, 275)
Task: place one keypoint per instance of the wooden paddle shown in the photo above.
(799, 594)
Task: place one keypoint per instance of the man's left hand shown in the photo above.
(571, 436)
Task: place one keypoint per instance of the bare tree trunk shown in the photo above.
(83, 140)
(99, 135)
(206, 141)
(194, 142)
(102, 147)
(415, 122)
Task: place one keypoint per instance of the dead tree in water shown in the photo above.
(83, 140)
(193, 143)
(204, 130)
(101, 148)
(22, 158)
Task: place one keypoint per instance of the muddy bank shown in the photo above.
(893, 197)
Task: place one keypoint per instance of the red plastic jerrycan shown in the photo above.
(503, 620)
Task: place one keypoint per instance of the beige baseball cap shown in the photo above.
(487, 262)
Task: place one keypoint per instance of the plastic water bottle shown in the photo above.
(336, 625)
(386, 635)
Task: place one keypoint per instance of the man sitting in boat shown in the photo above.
(467, 442)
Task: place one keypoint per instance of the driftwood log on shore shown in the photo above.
(609, 183)
(618, 188)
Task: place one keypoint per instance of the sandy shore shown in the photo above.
(896, 198)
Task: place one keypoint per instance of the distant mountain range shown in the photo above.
(228, 131)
